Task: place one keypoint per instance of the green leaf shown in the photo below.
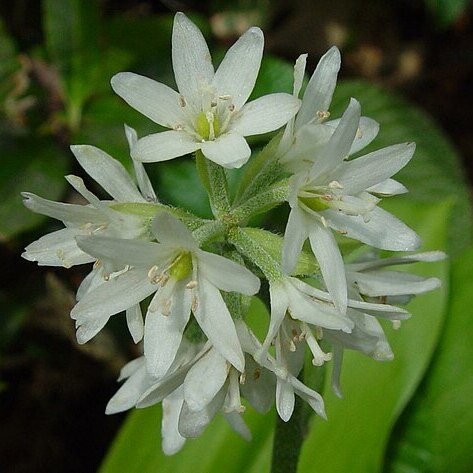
(354, 437)
(33, 165)
(138, 444)
(447, 11)
(275, 75)
(435, 434)
(435, 173)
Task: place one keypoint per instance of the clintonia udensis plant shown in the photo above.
(185, 283)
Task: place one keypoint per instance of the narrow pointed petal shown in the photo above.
(325, 249)
(114, 296)
(164, 146)
(107, 172)
(229, 150)
(226, 274)
(154, 100)
(70, 213)
(236, 75)
(299, 72)
(88, 329)
(388, 187)
(294, 237)
(193, 423)
(238, 424)
(216, 322)
(265, 114)
(285, 399)
(134, 320)
(359, 174)
(130, 368)
(164, 330)
(172, 441)
(279, 304)
(137, 253)
(319, 91)
(89, 283)
(191, 59)
(367, 131)
(313, 398)
(172, 232)
(393, 283)
(127, 396)
(339, 144)
(57, 249)
(204, 380)
(383, 230)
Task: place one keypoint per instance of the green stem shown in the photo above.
(272, 197)
(288, 439)
(215, 181)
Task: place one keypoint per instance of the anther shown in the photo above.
(242, 378)
(191, 284)
(182, 101)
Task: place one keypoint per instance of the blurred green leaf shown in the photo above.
(33, 165)
(138, 444)
(275, 75)
(354, 437)
(447, 11)
(435, 434)
(435, 173)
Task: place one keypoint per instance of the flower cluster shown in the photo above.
(185, 283)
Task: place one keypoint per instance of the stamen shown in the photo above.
(182, 101)
(396, 324)
(322, 114)
(191, 284)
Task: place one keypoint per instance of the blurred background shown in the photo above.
(56, 61)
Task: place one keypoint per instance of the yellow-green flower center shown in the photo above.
(181, 267)
(315, 203)
(207, 125)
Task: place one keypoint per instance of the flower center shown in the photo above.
(207, 125)
(181, 267)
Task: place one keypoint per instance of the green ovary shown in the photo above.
(181, 267)
(204, 126)
(315, 203)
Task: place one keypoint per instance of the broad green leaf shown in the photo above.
(33, 165)
(138, 444)
(275, 75)
(447, 11)
(354, 437)
(435, 434)
(435, 173)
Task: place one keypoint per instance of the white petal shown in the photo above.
(191, 59)
(285, 399)
(114, 296)
(204, 380)
(313, 398)
(163, 330)
(236, 75)
(299, 72)
(89, 283)
(57, 249)
(229, 150)
(226, 274)
(238, 424)
(134, 320)
(171, 232)
(127, 396)
(89, 328)
(164, 146)
(216, 322)
(359, 174)
(172, 441)
(193, 423)
(294, 237)
(130, 368)
(265, 114)
(340, 142)
(108, 172)
(279, 304)
(367, 131)
(388, 187)
(319, 91)
(382, 231)
(154, 100)
(330, 260)
(393, 283)
(141, 254)
(69, 213)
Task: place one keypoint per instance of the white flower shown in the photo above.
(209, 112)
(335, 194)
(183, 278)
